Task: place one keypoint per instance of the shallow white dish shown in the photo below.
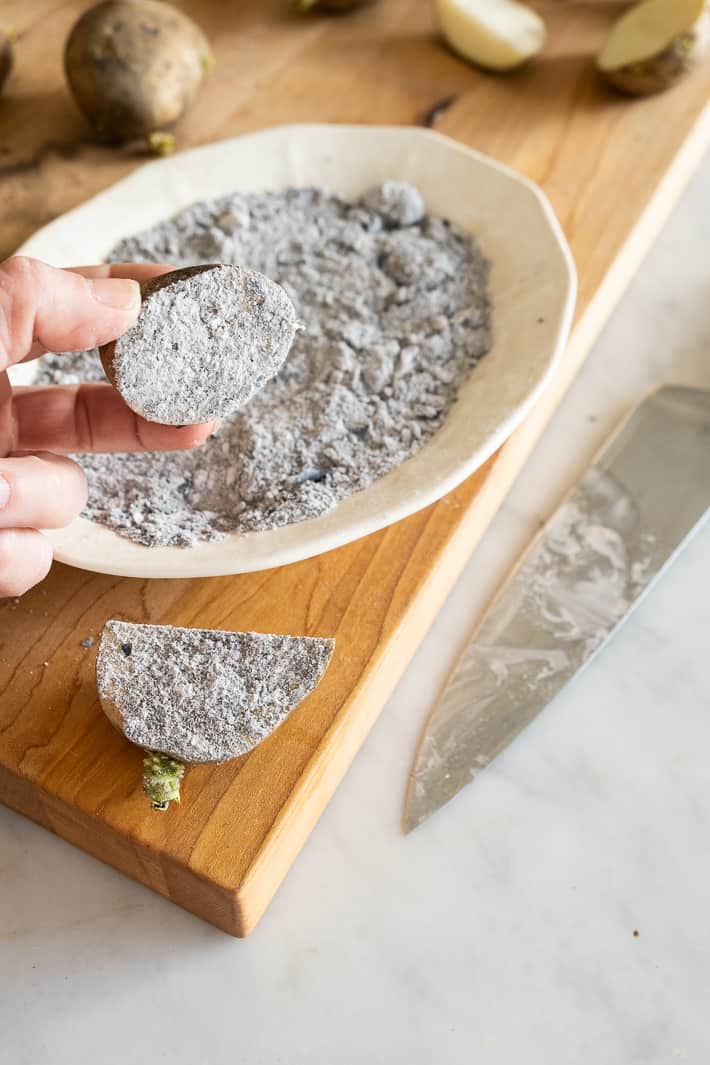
(533, 289)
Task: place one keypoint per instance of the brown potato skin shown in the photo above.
(133, 66)
(659, 72)
(5, 58)
(335, 7)
(148, 287)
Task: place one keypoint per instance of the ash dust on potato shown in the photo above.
(202, 695)
(203, 345)
(395, 312)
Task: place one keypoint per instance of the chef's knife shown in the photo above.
(600, 552)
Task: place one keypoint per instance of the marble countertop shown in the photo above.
(502, 930)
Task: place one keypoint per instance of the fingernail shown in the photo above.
(121, 294)
(4, 492)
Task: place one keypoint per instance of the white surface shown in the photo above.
(499, 932)
(532, 287)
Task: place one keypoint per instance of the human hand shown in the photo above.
(46, 309)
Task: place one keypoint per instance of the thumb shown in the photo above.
(61, 310)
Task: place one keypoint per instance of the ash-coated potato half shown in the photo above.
(206, 340)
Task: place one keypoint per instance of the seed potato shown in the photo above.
(653, 45)
(134, 66)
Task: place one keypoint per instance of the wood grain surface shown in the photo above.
(612, 168)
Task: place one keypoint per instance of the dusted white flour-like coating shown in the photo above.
(395, 312)
(202, 695)
(203, 345)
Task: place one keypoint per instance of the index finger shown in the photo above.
(91, 417)
(132, 271)
(61, 309)
(135, 271)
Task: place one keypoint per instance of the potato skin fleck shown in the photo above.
(5, 58)
(334, 7)
(133, 66)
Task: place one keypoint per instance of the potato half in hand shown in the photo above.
(494, 34)
(206, 340)
(653, 45)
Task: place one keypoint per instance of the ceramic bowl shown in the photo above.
(532, 287)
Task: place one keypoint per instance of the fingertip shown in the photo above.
(156, 437)
(59, 310)
(82, 487)
(203, 432)
(118, 293)
(43, 557)
(25, 559)
(194, 435)
(44, 491)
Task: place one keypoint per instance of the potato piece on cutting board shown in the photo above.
(495, 34)
(202, 695)
(654, 44)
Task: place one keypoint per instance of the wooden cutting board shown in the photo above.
(612, 168)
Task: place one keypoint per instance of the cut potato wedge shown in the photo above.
(495, 34)
(653, 45)
(201, 695)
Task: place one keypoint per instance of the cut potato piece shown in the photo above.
(653, 45)
(201, 695)
(495, 34)
(206, 340)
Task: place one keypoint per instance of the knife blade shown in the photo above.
(604, 547)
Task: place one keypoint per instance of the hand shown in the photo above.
(45, 309)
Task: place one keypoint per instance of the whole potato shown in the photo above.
(5, 57)
(133, 66)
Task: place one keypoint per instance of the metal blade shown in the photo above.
(600, 552)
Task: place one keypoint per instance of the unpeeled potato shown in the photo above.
(494, 34)
(133, 66)
(654, 45)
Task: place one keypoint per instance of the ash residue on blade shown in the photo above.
(579, 580)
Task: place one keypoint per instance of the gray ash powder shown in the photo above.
(395, 310)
